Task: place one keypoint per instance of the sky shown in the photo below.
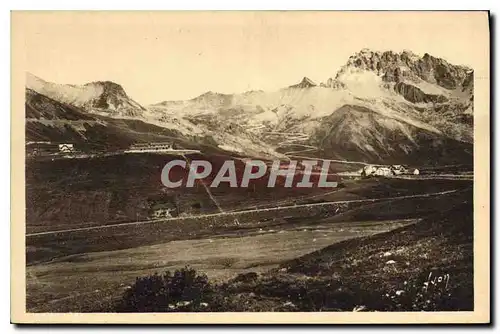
(158, 56)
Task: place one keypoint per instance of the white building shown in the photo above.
(398, 169)
(383, 171)
(368, 170)
(162, 213)
(66, 148)
(158, 148)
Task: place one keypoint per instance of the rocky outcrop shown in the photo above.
(333, 83)
(396, 67)
(415, 95)
(468, 84)
(114, 98)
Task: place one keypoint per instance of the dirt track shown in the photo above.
(243, 212)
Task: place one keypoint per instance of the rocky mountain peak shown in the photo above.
(112, 97)
(305, 83)
(104, 96)
(408, 66)
(109, 87)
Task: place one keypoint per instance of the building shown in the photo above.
(148, 147)
(41, 148)
(368, 170)
(384, 171)
(158, 148)
(162, 213)
(398, 169)
(66, 148)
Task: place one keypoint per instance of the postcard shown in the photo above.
(250, 167)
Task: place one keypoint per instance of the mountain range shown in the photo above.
(380, 107)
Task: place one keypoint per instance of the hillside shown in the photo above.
(48, 120)
(359, 134)
(100, 96)
(391, 271)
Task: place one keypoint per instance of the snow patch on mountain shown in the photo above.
(100, 96)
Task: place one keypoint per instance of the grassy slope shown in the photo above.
(355, 272)
(338, 277)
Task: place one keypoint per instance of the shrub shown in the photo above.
(246, 277)
(181, 292)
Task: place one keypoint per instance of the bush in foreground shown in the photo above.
(182, 291)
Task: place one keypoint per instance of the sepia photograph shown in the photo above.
(250, 167)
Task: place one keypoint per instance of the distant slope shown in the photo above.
(39, 106)
(50, 120)
(358, 133)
